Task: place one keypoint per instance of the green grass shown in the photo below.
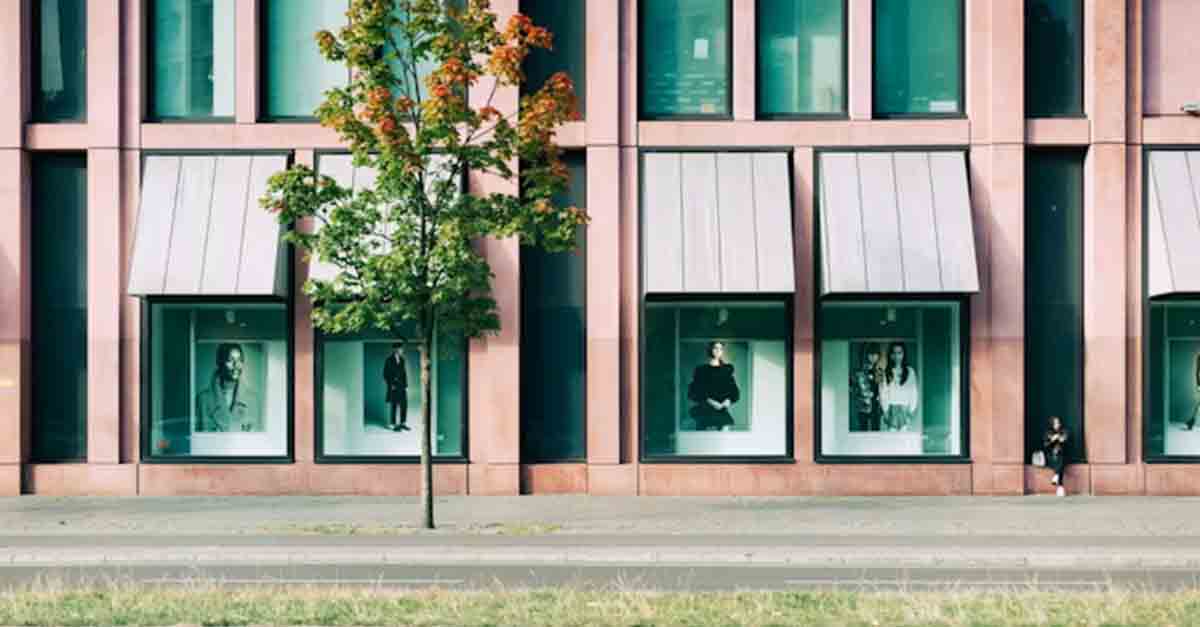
(205, 604)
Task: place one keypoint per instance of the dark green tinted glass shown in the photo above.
(296, 73)
(1173, 379)
(554, 340)
(396, 51)
(193, 58)
(699, 400)
(370, 386)
(59, 339)
(918, 56)
(1054, 296)
(567, 20)
(684, 58)
(1053, 58)
(891, 379)
(60, 78)
(801, 57)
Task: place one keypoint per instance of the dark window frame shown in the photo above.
(642, 116)
(844, 114)
(961, 114)
(1147, 456)
(964, 329)
(1082, 113)
(150, 114)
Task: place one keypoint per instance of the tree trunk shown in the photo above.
(426, 427)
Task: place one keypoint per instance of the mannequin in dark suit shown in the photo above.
(395, 374)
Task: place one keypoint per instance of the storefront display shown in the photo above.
(717, 378)
(371, 403)
(219, 380)
(1173, 355)
(890, 379)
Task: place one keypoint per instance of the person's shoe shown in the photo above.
(1054, 479)
(402, 427)
(1061, 491)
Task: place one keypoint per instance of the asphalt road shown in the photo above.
(627, 577)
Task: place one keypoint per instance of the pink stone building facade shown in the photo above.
(1139, 69)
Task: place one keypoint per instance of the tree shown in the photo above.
(404, 250)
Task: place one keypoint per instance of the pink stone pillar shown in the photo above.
(804, 328)
(603, 311)
(304, 383)
(859, 78)
(630, 296)
(14, 318)
(104, 238)
(133, 42)
(1007, 89)
(131, 311)
(629, 72)
(744, 58)
(603, 88)
(978, 65)
(104, 73)
(246, 79)
(1104, 62)
(1006, 224)
(494, 362)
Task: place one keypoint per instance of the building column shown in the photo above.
(304, 381)
(859, 48)
(744, 57)
(14, 249)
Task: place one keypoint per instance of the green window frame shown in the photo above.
(872, 325)
(662, 69)
(554, 341)
(1054, 343)
(567, 21)
(360, 357)
(262, 330)
(1054, 40)
(293, 56)
(184, 81)
(788, 32)
(59, 43)
(913, 78)
(59, 338)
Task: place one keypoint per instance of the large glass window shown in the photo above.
(1173, 379)
(60, 50)
(1054, 296)
(567, 20)
(1053, 58)
(891, 379)
(297, 76)
(193, 52)
(918, 55)
(59, 335)
(801, 57)
(370, 394)
(553, 341)
(219, 380)
(716, 378)
(684, 58)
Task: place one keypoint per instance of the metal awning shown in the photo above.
(896, 222)
(717, 222)
(1173, 222)
(342, 169)
(200, 230)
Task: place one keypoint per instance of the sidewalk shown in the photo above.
(975, 532)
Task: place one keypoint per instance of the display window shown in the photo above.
(716, 378)
(1173, 382)
(370, 403)
(891, 379)
(219, 381)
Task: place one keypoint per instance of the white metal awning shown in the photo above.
(896, 222)
(717, 222)
(200, 230)
(1173, 222)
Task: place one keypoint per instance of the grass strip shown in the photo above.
(209, 604)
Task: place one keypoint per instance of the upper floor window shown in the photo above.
(918, 58)
(684, 58)
(295, 74)
(1053, 58)
(567, 21)
(193, 59)
(801, 57)
(60, 52)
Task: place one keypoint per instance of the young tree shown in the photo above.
(404, 249)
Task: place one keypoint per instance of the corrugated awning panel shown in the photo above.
(896, 222)
(1173, 222)
(200, 230)
(717, 223)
